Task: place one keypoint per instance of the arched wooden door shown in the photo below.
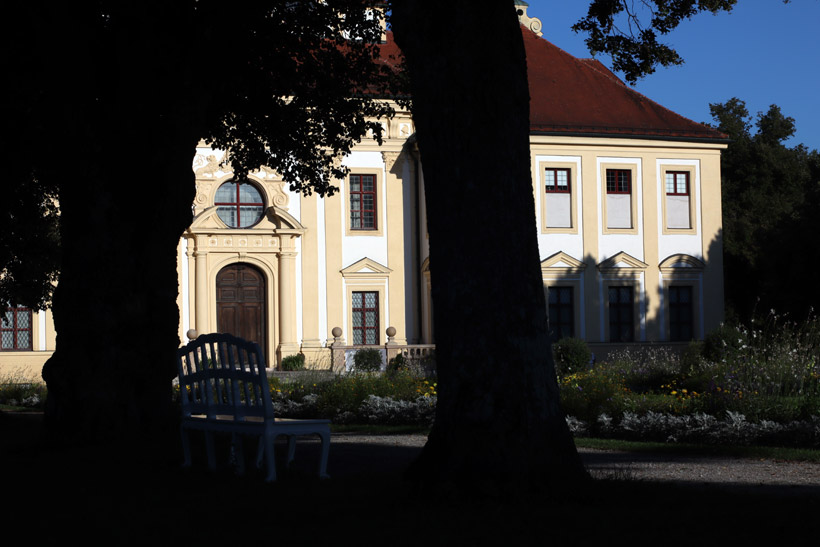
(240, 303)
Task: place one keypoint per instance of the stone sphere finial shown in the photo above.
(391, 332)
(192, 334)
(336, 332)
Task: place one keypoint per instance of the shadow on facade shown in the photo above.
(624, 302)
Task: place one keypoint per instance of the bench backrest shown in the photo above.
(220, 375)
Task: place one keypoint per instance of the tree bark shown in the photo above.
(125, 157)
(498, 419)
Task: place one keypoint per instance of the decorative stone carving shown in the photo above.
(281, 200)
(532, 23)
(208, 166)
(203, 191)
(266, 173)
(404, 130)
(390, 159)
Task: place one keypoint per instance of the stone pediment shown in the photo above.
(283, 220)
(622, 262)
(681, 263)
(563, 263)
(365, 267)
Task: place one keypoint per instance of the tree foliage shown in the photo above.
(110, 101)
(29, 219)
(29, 246)
(771, 195)
(290, 85)
(628, 30)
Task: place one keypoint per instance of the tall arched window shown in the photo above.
(239, 204)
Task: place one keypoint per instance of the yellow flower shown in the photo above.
(683, 390)
(674, 392)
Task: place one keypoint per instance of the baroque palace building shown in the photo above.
(628, 213)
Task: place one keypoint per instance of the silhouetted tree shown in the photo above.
(498, 421)
(771, 195)
(113, 99)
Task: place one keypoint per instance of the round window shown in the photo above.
(239, 204)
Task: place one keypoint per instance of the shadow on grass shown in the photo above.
(136, 492)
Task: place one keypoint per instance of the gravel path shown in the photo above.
(353, 454)
(771, 476)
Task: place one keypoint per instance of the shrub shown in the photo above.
(571, 355)
(587, 394)
(397, 363)
(367, 360)
(724, 342)
(644, 368)
(402, 397)
(388, 411)
(691, 358)
(19, 390)
(294, 362)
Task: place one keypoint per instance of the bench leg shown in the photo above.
(265, 452)
(186, 447)
(291, 448)
(238, 452)
(325, 436)
(209, 445)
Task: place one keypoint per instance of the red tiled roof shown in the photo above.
(571, 95)
(581, 96)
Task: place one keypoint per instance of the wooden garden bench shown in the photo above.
(224, 387)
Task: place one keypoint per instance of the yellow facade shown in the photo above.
(641, 262)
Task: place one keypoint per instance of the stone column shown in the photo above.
(201, 292)
(287, 305)
(189, 256)
(395, 204)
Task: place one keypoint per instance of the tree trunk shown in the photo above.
(126, 191)
(498, 420)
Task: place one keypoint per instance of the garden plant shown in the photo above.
(753, 384)
(744, 385)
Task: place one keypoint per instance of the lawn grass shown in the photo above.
(371, 429)
(735, 451)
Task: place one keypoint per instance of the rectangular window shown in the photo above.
(618, 181)
(558, 198)
(561, 313)
(15, 330)
(362, 202)
(619, 198)
(621, 315)
(556, 180)
(677, 199)
(680, 314)
(366, 318)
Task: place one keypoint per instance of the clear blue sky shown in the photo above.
(763, 52)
